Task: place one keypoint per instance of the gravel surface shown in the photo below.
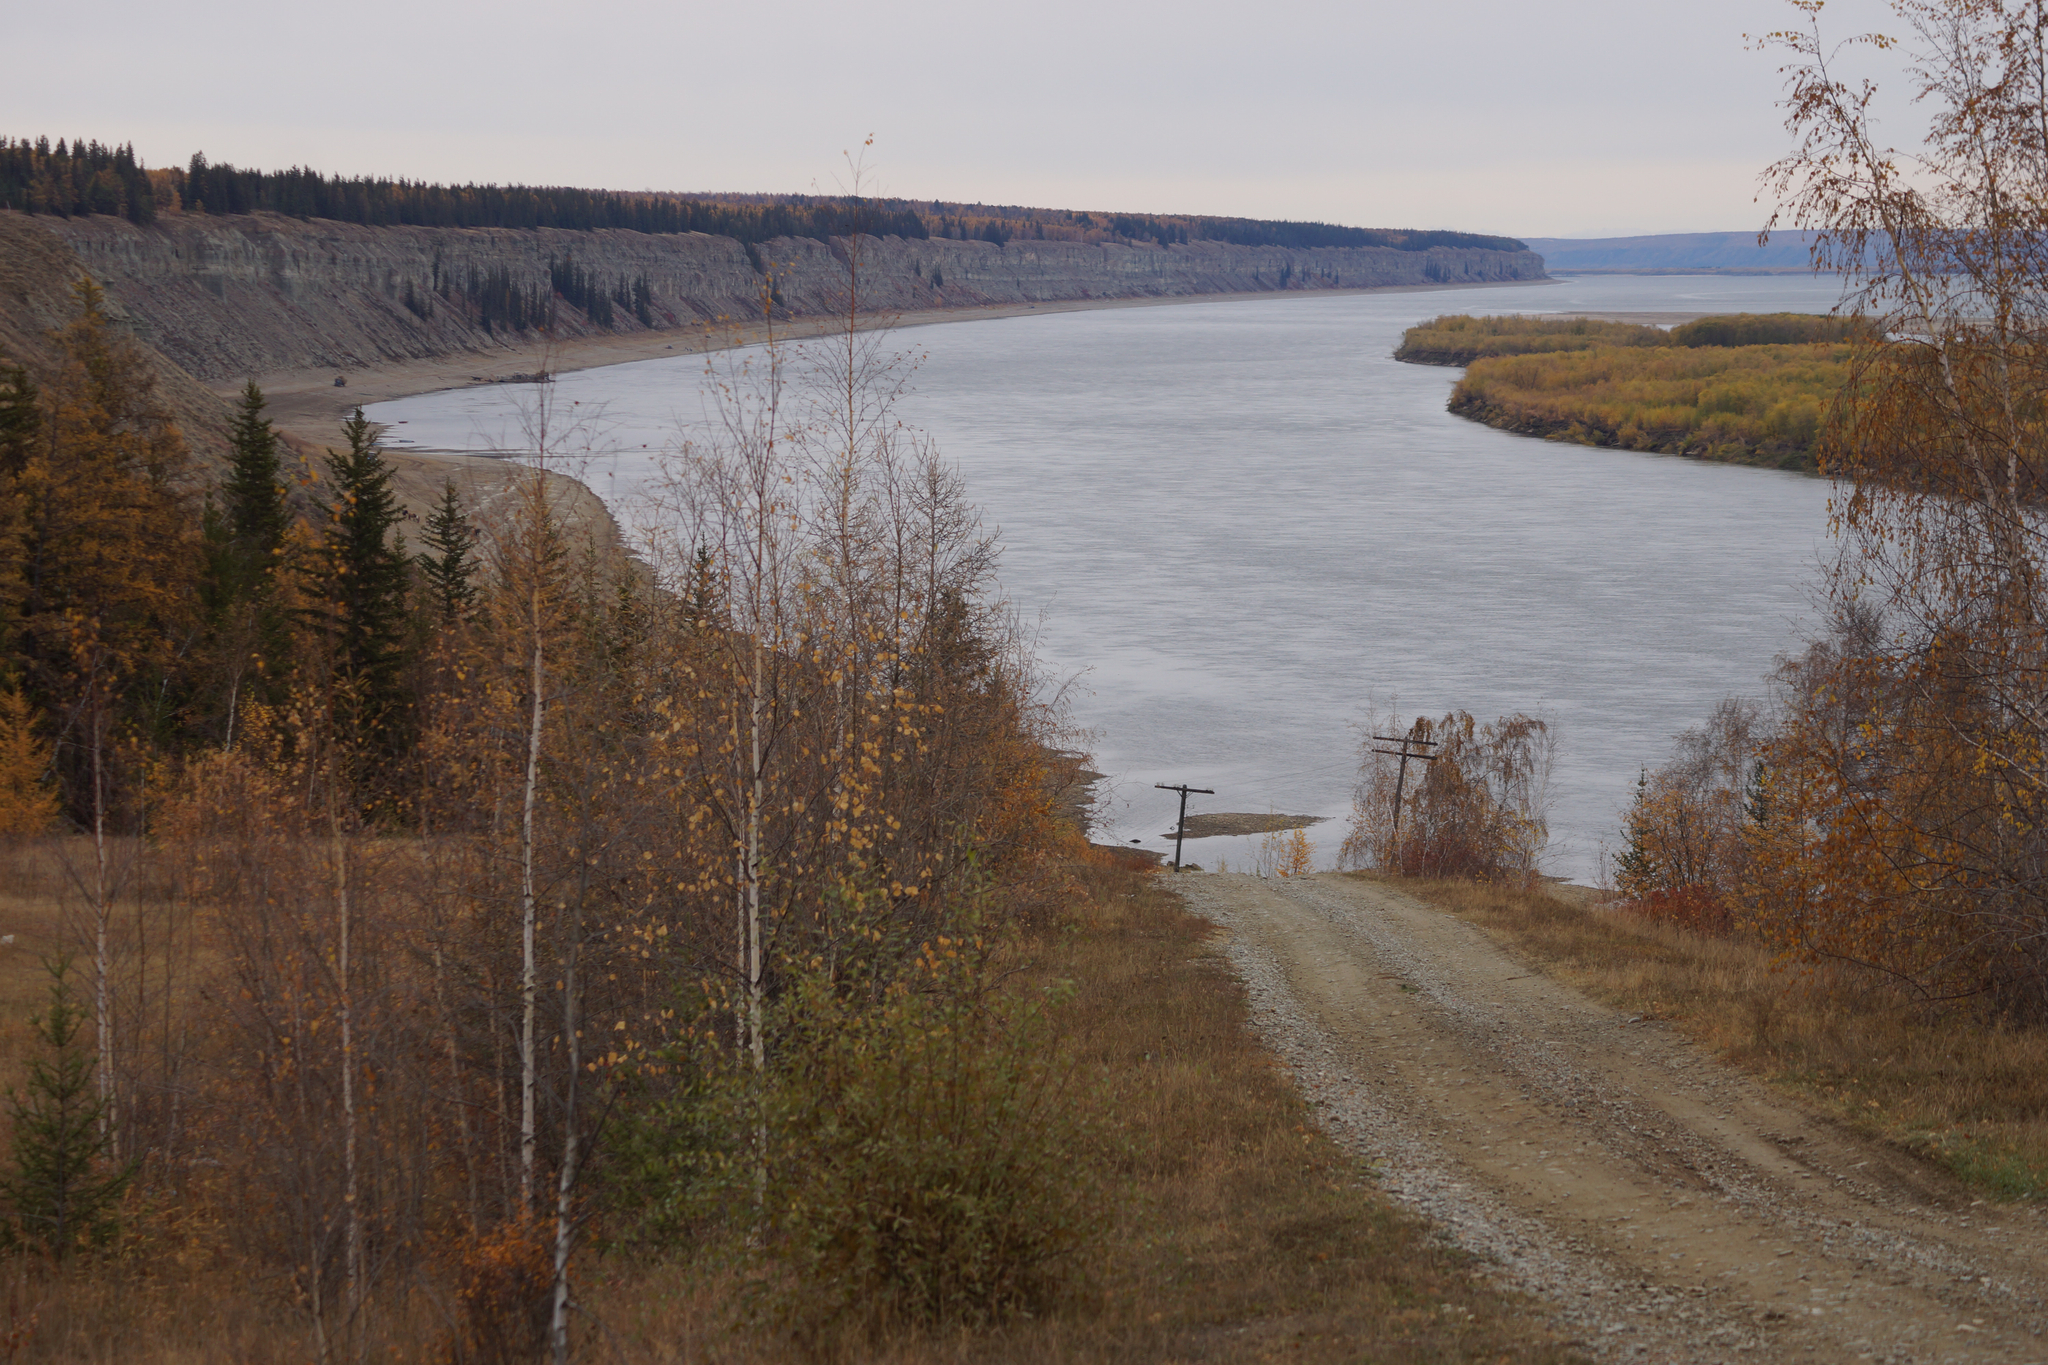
(1669, 1208)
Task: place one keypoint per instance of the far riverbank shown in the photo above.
(306, 403)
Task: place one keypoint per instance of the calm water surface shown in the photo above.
(1241, 522)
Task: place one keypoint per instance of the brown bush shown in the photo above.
(1472, 803)
(1687, 855)
(504, 1294)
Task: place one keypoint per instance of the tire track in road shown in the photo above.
(1671, 1208)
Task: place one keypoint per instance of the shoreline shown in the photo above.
(306, 405)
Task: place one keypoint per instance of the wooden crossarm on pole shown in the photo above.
(1401, 778)
(1181, 829)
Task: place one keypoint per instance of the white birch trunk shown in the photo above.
(565, 1186)
(757, 1038)
(528, 911)
(102, 915)
(351, 1204)
(756, 1030)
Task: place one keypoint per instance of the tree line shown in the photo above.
(87, 178)
(1005, 223)
(447, 902)
(82, 178)
(34, 178)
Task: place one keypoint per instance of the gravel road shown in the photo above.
(1671, 1208)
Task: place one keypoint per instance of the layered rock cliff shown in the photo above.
(225, 297)
(38, 296)
(38, 277)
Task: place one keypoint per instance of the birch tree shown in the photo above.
(1931, 820)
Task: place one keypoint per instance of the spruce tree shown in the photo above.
(243, 537)
(219, 573)
(64, 1185)
(20, 421)
(255, 497)
(449, 561)
(361, 583)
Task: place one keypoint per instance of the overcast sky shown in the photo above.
(1576, 118)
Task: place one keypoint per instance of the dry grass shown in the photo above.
(1967, 1093)
(1460, 339)
(32, 911)
(1760, 405)
(1243, 1233)
(166, 1295)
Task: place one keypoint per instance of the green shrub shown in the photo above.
(936, 1161)
(932, 1155)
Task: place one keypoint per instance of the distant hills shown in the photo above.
(1718, 252)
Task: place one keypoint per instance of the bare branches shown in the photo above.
(1468, 800)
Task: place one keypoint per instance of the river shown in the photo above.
(1241, 523)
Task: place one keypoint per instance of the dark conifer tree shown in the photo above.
(20, 421)
(256, 512)
(360, 588)
(448, 563)
(64, 1186)
(243, 532)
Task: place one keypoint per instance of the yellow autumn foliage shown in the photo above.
(28, 800)
(1746, 404)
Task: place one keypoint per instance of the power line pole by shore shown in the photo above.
(1181, 829)
(1401, 778)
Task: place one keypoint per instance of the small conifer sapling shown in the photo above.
(64, 1185)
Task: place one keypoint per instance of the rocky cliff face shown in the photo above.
(38, 273)
(38, 279)
(226, 297)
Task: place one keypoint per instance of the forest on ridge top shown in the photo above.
(87, 177)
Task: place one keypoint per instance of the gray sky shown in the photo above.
(1580, 118)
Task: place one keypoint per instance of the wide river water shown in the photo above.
(1242, 523)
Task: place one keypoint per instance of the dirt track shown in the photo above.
(1672, 1209)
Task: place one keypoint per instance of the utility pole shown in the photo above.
(1181, 829)
(1401, 777)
